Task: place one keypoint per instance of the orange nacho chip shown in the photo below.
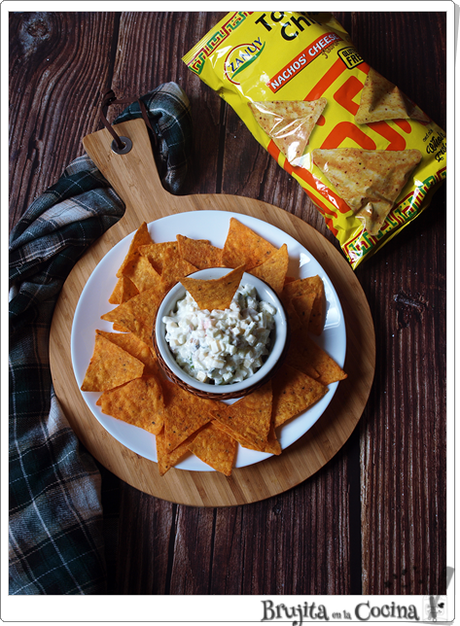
(137, 315)
(308, 299)
(141, 237)
(123, 291)
(138, 402)
(165, 258)
(329, 370)
(143, 276)
(272, 444)
(185, 413)
(294, 392)
(245, 247)
(303, 306)
(250, 417)
(110, 366)
(167, 459)
(215, 448)
(215, 293)
(296, 357)
(199, 252)
(175, 267)
(273, 270)
(137, 348)
(156, 253)
(117, 294)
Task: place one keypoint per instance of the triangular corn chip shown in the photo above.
(123, 291)
(110, 366)
(141, 237)
(199, 252)
(273, 270)
(382, 100)
(369, 181)
(215, 448)
(308, 299)
(215, 293)
(137, 315)
(141, 273)
(185, 413)
(167, 459)
(138, 402)
(245, 247)
(289, 123)
(294, 392)
(249, 417)
(136, 348)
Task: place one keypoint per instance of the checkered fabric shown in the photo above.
(56, 523)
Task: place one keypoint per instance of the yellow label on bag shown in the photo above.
(275, 69)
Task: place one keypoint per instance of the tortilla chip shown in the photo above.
(185, 413)
(166, 459)
(156, 253)
(120, 328)
(137, 348)
(214, 448)
(382, 100)
(110, 366)
(137, 315)
(199, 252)
(245, 247)
(142, 275)
(215, 293)
(141, 237)
(166, 260)
(272, 444)
(296, 356)
(250, 417)
(175, 267)
(289, 123)
(295, 322)
(138, 402)
(303, 305)
(124, 290)
(117, 293)
(273, 270)
(308, 299)
(329, 370)
(294, 392)
(369, 181)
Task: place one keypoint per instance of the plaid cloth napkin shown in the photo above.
(56, 524)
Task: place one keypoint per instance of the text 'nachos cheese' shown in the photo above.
(310, 99)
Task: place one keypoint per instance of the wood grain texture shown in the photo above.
(136, 180)
(405, 427)
(374, 518)
(59, 65)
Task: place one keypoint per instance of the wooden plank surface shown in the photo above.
(373, 519)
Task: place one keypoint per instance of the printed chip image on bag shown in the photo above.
(368, 157)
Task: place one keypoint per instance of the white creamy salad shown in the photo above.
(221, 346)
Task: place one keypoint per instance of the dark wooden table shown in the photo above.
(373, 520)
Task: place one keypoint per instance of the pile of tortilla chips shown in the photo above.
(125, 370)
(368, 157)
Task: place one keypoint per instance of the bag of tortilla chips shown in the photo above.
(368, 157)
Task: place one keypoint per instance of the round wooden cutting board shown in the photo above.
(135, 178)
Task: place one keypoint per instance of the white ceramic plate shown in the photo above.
(212, 225)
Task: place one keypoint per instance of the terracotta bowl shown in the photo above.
(273, 361)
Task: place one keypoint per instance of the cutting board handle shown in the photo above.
(133, 175)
